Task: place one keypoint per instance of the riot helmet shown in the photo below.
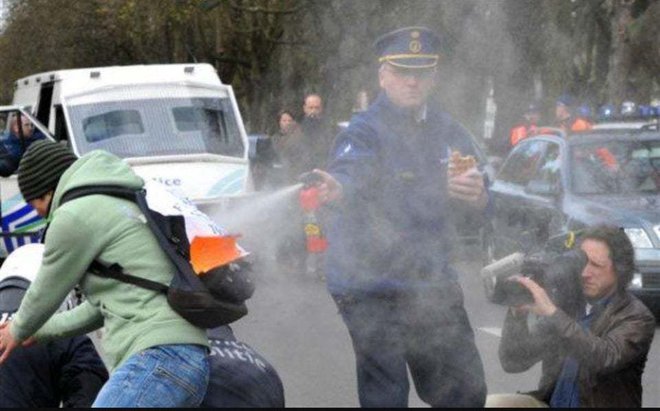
(17, 273)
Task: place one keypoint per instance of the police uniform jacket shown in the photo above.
(393, 229)
(16, 147)
(240, 376)
(66, 372)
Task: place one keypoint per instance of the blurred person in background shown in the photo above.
(390, 202)
(288, 144)
(272, 167)
(567, 117)
(528, 126)
(290, 149)
(592, 358)
(317, 131)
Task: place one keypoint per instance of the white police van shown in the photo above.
(175, 123)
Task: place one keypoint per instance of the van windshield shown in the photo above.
(157, 127)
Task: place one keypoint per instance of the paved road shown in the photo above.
(295, 324)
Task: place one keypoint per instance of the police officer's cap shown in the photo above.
(409, 47)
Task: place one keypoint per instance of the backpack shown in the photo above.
(212, 279)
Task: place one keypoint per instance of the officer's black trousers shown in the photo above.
(429, 332)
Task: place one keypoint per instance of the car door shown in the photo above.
(513, 217)
(19, 222)
(544, 194)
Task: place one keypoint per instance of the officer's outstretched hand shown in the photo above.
(330, 190)
(469, 187)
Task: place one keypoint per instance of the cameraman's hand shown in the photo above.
(542, 306)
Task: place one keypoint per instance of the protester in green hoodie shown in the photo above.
(156, 358)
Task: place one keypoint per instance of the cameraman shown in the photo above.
(594, 358)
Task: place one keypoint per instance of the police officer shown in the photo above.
(528, 127)
(390, 232)
(240, 377)
(66, 372)
(565, 115)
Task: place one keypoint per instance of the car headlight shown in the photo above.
(638, 238)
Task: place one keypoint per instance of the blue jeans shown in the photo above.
(160, 376)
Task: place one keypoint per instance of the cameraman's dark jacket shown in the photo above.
(611, 355)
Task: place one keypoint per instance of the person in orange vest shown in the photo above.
(566, 118)
(528, 126)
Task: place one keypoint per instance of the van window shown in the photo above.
(195, 118)
(522, 163)
(157, 126)
(112, 124)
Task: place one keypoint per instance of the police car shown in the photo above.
(629, 116)
(552, 184)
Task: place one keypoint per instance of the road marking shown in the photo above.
(496, 331)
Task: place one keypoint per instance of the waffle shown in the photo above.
(460, 164)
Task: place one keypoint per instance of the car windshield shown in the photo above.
(616, 167)
(157, 126)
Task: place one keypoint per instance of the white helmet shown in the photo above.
(20, 268)
(23, 262)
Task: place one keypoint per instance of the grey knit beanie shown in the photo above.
(41, 167)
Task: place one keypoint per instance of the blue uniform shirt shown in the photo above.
(393, 230)
(16, 148)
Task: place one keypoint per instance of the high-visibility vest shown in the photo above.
(581, 124)
(521, 132)
(517, 133)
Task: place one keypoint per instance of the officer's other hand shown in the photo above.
(542, 305)
(469, 187)
(7, 342)
(330, 190)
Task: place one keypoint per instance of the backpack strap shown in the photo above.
(114, 271)
(109, 190)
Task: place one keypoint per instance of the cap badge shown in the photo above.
(415, 46)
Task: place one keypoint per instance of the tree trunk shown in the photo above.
(621, 55)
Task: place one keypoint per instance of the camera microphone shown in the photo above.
(505, 267)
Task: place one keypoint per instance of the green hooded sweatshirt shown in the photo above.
(109, 230)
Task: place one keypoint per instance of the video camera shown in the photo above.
(556, 267)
